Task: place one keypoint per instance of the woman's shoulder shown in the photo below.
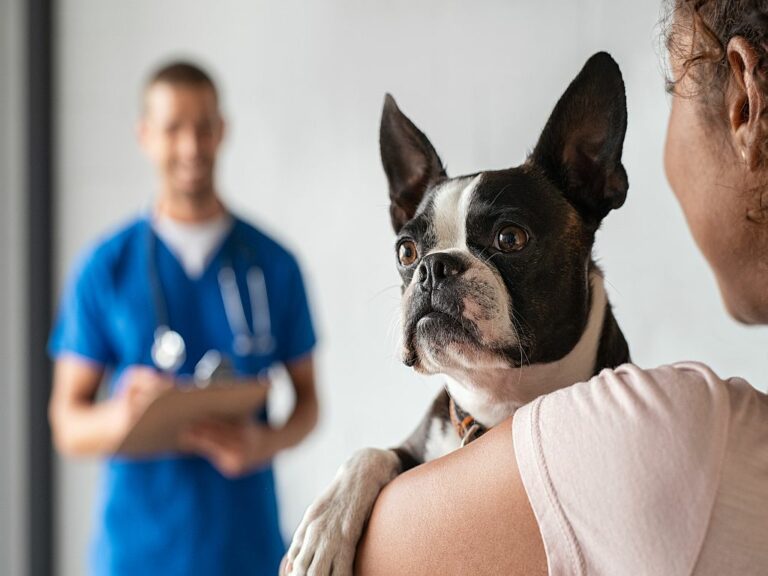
(693, 395)
(685, 407)
(675, 416)
(689, 392)
(687, 373)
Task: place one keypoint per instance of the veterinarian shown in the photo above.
(638, 471)
(142, 308)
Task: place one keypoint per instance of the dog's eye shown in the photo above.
(407, 252)
(511, 239)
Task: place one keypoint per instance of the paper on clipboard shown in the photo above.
(157, 429)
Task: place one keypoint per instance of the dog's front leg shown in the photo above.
(327, 537)
(326, 540)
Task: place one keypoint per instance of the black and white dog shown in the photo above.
(500, 291)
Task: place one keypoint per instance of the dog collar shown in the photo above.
(465, 424)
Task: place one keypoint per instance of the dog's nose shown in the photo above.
(436, 268)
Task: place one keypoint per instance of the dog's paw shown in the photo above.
(326, 540)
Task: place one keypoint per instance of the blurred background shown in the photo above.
(302, 87)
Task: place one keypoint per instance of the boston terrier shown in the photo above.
(500, 293)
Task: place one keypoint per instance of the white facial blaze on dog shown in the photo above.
(450, 206)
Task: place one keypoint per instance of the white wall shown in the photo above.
(12, 303)
(303, 85)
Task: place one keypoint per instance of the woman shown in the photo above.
(659, 471)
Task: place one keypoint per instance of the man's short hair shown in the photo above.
(181, 73)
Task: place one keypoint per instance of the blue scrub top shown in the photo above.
(177, 515)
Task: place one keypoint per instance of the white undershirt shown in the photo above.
(193, 244)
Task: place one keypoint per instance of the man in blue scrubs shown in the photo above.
(191, 267)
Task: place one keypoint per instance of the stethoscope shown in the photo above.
(169, 351)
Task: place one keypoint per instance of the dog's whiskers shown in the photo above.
(382, 291)
(524, 360)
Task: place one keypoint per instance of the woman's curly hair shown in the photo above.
(697, 33)
(712, 24)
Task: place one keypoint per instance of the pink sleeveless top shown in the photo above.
(658, 472)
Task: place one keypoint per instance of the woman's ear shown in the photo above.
(745, 102)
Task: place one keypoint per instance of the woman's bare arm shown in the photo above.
(466, 513)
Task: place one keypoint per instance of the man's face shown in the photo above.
(181, 131)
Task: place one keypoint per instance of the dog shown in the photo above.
(500, 292)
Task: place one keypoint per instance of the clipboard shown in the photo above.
(158, 428)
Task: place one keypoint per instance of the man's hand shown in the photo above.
(83, 427)
(138, 387)
(237, 448)
(234, 448)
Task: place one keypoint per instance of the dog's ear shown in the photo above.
(580, 147)
(409, 160)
